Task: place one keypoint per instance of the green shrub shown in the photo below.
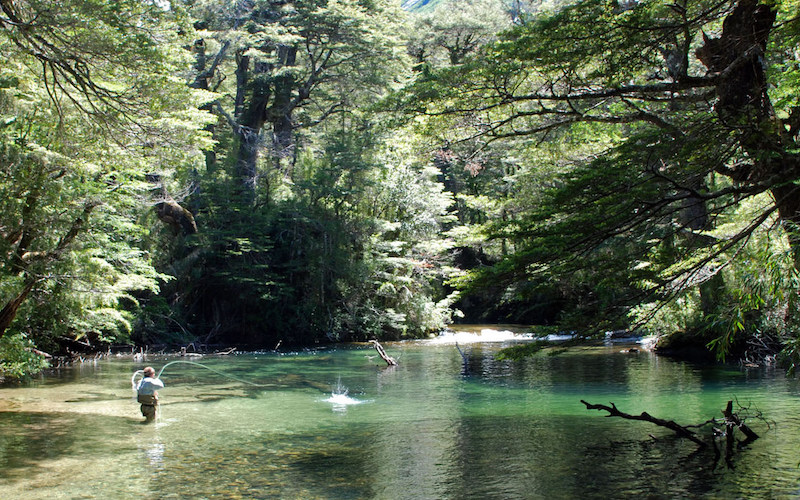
(17, 357)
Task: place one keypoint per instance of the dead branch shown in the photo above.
(732, 420)
(389, 360)
(728, 426)
(644, 416)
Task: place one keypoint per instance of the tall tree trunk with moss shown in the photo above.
(737, 58)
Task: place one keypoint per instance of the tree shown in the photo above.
(479, 178)
(284, 241)
(455, 30)
(683, 111)
(294, 64)
(89, 104)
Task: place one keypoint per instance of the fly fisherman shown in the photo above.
(147, 393)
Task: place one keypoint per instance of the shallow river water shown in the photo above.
(338, 423)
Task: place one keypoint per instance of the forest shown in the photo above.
(259, 173)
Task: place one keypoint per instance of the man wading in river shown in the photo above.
(147, 393)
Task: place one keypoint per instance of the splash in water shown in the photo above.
(340, 399)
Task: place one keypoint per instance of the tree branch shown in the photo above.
(680, 430)
(389, 360)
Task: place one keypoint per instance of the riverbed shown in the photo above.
(449, 422)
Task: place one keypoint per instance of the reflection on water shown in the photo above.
(155, 455)
(428, 428)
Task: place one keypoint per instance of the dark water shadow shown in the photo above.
(93, 397)
(32, 438)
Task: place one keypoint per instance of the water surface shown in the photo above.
(337, 423)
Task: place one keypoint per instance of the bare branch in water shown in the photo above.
(389, 360)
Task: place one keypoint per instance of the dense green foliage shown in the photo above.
(657, 152)
(89, 103)
(293, 172)
(19, 359)
(313, 224)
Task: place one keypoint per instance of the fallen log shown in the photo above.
(389, 360)
(41, 353)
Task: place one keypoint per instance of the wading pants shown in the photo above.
(149, 403)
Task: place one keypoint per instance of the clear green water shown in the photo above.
(424, 429)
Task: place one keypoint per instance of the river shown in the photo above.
(337, 423)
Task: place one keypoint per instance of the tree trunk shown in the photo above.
(253, 93)
(247, 162)
(737, 57)
(787, 199)
(282, 108)
(9, 312)
(205, 73)
(242, 65)
(695, 220)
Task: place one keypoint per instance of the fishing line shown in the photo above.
(133, 378)
(210, 369)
